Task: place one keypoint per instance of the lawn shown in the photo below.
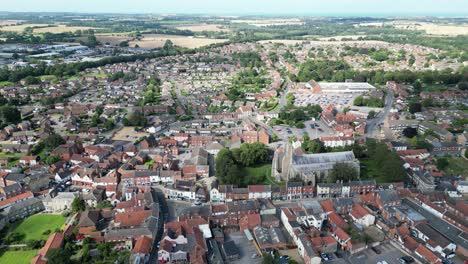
(5, 83)
(457, 166)
(34, 226)
(260, 175)
(369, 171)
(17, 257)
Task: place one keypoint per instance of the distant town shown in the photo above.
(191, 139)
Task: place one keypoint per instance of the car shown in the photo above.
(285, 257)
(312, 126)
(324, 257)
(376, 250)
(255, 255)
(321, 130)
(406, 259)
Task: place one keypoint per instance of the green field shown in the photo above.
(34, 226)
(369, 171)
(5, 83)
(259, 175)
(457, 166)
(17, 257)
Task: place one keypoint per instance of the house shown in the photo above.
(386, 198)
(89, 221)
(427, 255)
(142, 250)
(362, 216)
(341, 236)
(29, 160)
(269, 238)
(435, 241)
(61, 201)
(55, 241)
(230, 251)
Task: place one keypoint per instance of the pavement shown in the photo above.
(246, 249)
(390, 254)
(373, 124)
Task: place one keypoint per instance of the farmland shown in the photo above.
(153, 41)
(43, 28)
(203, 27)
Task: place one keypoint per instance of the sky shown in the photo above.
(239, 7)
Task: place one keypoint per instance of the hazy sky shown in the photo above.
(341, 7)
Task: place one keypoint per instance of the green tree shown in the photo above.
(52, 159)
(255, 153)
(343, 172)
(78, 205)
(371, 114)
(442, 163)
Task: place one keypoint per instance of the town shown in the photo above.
(332, 149)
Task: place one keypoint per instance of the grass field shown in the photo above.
(5, 83)
(369, 171)
(457, 166)
(153, 41)
(17, 257)
(259, 175)
(34, 226)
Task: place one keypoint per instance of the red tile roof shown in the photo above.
(128, 219)
(55, 241)
(341, 234)
(327, 205)
(427, 254)
(16, 198)
(143, 245)
(358, 211)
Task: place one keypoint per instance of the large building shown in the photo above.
(340, 87)
(311, 168)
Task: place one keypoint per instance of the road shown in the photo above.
(449, 231)
(373, 124)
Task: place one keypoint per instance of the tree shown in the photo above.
(52, 159)
(417, 85)
(410, 132)
(58, 256)
(371, 114)
(268, 259)
(78, 205)
(313, 146)
(463, 85)
(226, 169)
(9, 115)
(343, 172)
(442, 163)
(414, 107)
(255, 153)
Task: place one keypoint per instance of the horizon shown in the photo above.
(346, 8)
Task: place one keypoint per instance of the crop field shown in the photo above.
(9, 22)
(429, 28)
(20, 28)
(114, 38)
(269, 22)
(43, 28)
(153, 41)
(203, 27)
(59, 29)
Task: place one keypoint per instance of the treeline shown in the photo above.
(71, 69)
(339, 71)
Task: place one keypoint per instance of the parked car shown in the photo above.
(376, 250)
